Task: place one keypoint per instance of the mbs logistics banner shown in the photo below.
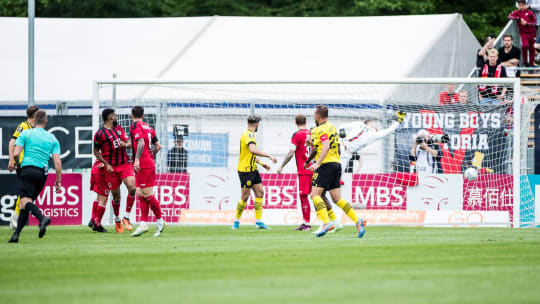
(73, 132)
(471, 128)
(64, 207)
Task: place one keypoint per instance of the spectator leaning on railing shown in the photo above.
(492, 69)
(510, 56)
(526, 21)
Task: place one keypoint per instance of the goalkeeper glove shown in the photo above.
(400, 115)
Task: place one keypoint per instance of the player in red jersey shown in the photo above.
(145, 146)
(301, 149)
(110, 144)
(98, 184)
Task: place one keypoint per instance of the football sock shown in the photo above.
(306, 210)
(18, 206)
(258, 208)
(129, 204)
(34, 210)
(240, 209)
(154, 204)
(116, 210)
(347, 208)
(94, 209)
(23, 218)
(320, 206)
(331, 215)
(99, 214)
(144, 209)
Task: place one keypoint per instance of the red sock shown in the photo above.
(144, 209)
(94, 209)
(116, 207)
(154, 204)
(306, 210)
(129, 202)
(99, 214)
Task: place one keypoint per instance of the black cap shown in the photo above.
(179, 137)
(522, 1)
(253, 118)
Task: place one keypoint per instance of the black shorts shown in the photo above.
(328, 176)
(32, 181)
(248, 179)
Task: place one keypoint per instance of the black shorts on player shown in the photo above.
(248, 179)
(327, 176)
(32, 180)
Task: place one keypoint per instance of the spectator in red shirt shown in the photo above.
(527, 30)
(449, 96)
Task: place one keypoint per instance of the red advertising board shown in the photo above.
(489, 192)
(64, 207)
(379, 191)
(172, 192)
(280, 191)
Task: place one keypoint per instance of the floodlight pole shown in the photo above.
(31, 16)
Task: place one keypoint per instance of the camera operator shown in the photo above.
(427, 153)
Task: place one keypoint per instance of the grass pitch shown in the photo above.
(217, 265)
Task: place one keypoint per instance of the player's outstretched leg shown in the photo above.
(23, 218)
(347, 209)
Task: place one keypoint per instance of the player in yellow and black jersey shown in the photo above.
(248, 173)
(327, 170)
(14, 164)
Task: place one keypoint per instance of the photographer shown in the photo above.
(427, 153)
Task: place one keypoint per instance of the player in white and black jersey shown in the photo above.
(357, 135)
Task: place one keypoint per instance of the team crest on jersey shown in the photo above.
(251, 135)
(118, 132)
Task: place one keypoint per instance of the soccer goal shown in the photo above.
(481, 124)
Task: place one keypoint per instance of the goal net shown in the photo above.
(415, 173)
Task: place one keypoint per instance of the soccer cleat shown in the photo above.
(99, 228)
(337, 227)
(127, 224)
(301, 227)
(235, 225)
(360, 225)
(118, 227)
(261, 225)
(91, 224)
(13, 221)
(159, 229)
(14, 238)
(43, 226)
(307, 228)
(326, 228)
(143, 228)
(400, 115)
(318, 229)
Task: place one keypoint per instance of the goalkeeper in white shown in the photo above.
(357, 135)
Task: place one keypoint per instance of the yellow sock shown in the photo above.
(258, 208)
(331, 215)
(240, 209)
(320, 206)
(347, 208)
(18, 206)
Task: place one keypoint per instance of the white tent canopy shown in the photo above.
(71, 53)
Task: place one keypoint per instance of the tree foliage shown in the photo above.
(483, 17)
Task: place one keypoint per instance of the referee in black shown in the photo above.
(38, 145)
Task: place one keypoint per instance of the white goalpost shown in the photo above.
(199, 125)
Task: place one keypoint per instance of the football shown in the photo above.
(471, 174)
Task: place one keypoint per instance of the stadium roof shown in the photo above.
(71, 53)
